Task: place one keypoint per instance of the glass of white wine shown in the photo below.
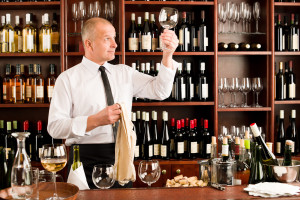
(54, 159)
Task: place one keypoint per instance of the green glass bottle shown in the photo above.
(76, 157)
(257, 173)
(10, 162)
(287, 161)
(3, 168)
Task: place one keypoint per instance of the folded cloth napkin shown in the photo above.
(78, 178)
(124, 170)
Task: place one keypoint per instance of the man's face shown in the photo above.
(104, 44)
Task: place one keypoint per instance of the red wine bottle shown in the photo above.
(179, 141)
(165, 143)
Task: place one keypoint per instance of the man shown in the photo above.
(79, 111)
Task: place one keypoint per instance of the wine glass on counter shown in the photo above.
(54, 159)
(103, 176)
(149, 171)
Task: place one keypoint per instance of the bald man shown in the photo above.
(79, 111)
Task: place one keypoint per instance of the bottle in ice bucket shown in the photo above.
(257, 173)
(76, 157)
(287, 160)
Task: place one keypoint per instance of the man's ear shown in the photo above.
(88, 44)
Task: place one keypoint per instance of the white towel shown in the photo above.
(124, 170)
(78, 178)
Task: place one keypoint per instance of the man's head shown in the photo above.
(98, 36)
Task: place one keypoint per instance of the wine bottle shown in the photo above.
(152, 69)
(287, 159)
(293, 35)
(148, 141)
(156, 139)
(3, 168)
(8, 33)
(233, 46)
(154, 33)
(214, 151)
(76, 158)
(38, 85)
(206, 141)
(10, 141)
(192, 142)
(139, 31)
(202, 83)
(184, 34)
(200, 137)
(247, 143)
(255, 47)
(29, 85)
(45, 36)
(297, 29)
(2, 134)
(18, 38)
(172, 139)
(280, 82)
(189, 83)
(222, 46)
(146, 34)
(291, 83)
(179, 85)
(179, 141)
(1, 30)
(267, 156)
(244, 46)
(237, 148)
(133, 36)
(29, 141)
(55, 36)
(39, 141)
(231, 145)
(7, 84)
(51, 82)
(279, 35)
(225, 150)
(257, 173)
(194, 34)
(185, 137)
(137, 145)
(280, 135)
(10, 162)
(291, 133)
(202, 33)
(29, 35)
(285, 35)
(18, 86)
(243, 169)
(165, 143)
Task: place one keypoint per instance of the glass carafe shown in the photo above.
(21, 175)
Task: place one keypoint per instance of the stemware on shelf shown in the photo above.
(149, 171)
(249, 19)
(256, 14)
(112, 11)
(82, 12)
(223, 87)
(97, 9)
(103, 176)
(229, 13)
(257, 87)
(243, 9)
(90, 11)
(245, 89)
(54, 159)
(75, 15)
(233, 89)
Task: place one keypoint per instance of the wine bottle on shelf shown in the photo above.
(146, 34)
(39, 141)
(233, 46)
(1, 29)
(192, 142)
(244, 46)
(3, 168)
(138, 145)
(189, 83)
(293, 35)
(18, 39)
(29, 141)
(156, 139)
(286, 76)
(18, 86)
(76, 157)
(29, 85)
(247, 144)
(133, 36)
(172, 139)
(222, 46)
(202, 33)
(206, 141)
(257, 173)
(267, 156)
(51, 82)
(7, 84)
(187, 127)
(184, 34)
(185, 138)
(179, 142)
(285, 35)
(291, 83)
(202, 83)
(237, 148)
(287, 158)
(29, 33)
(280, 82)
(55, 36)
(10, 141)
(179, 85)
(38, 85)
(243, 169)
(280, 135)
(292, 134)
(255, 47)
(45, 36)
(214, 151)
(154, 33)
(152, 68)
(194, 34)
(139, 31)
(148, 141)
(278, 35)
(165, 143)
(8, 33)
(2, 134)
(297, 28)
(225, 150)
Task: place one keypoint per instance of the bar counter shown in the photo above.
(230, 193)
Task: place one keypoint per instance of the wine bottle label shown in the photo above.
(208, 148)
(198, 147)
(133, 44)
(192, 90)
(225, 149)
(206, 41)
(278, 147)
(187, 36)
(163, 152)
(46, 42)
(154, 44)
(150, 150)
(293, 147)
(55, 37)
(4, 92)
(13, 91)
(195, 42)
(283, 41)
(194, 147)
(28, 92)
(284, 91)
(180, 147)
(20, 43)
(156, 149)
(11, 36)
(30, 44)
(50, 91)
(146, 42)
(181, 37)
(39, 91)
(204, 91)
(185, 145)
(7, 150)
(183, 93)
(172, 145)
(295, 42)
(292, 90)
(40, 152)
(137, 151)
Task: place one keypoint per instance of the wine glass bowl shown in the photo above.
(103, 176)
(75, 15)
(168, 17)
(149, 171)
(256, 14)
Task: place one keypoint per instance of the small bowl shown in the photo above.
(286, 174)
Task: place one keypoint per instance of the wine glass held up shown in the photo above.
(54, 159)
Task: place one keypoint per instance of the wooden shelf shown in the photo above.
(244, 53)
(287, 53)
(29, 54)
(43, 105)
(244, 109)
(286, 102)
(198, 3)
(29, 5)
(82, 53)
(145, 104)
(175, 53)
(286, 4)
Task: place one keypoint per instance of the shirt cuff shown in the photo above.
(79, 125)
(175, 66)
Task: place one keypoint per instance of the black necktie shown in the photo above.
(109, 96)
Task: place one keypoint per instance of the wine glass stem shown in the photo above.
(223, 102)
(75, 27)
(234, 95)
(55, 196)
(229, 26)
(257, 98)
(246, 99)
(256, 26)
(243, 26)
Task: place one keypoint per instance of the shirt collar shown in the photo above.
(92, 66)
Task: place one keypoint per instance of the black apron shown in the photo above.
(94, 154)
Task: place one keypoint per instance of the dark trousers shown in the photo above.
(93, 154)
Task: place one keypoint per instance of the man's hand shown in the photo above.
(170, 42)
(108, 115)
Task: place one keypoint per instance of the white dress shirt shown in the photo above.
(79, 93)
